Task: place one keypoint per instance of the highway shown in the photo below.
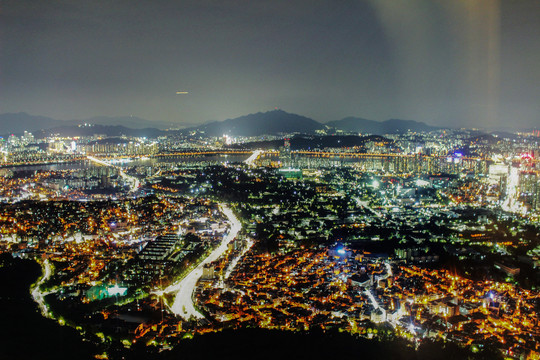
(372, 299)
(37, 294)
(235, 261)
(183, 302)
(365, 204)
(388, 270)
(251, 160)
(511, 203)
(132, 181)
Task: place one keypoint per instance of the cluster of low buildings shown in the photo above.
(346, 289)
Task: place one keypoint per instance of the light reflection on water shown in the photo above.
(193, 160)
(211, 159)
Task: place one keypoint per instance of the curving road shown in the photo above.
(133, 182)
(183, 302)
(250, 161)
(37, 294)
(233, 263)
(511, 203)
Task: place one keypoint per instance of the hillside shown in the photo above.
(17, 123)
(267, 123)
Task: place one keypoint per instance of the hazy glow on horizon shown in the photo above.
(444, 62)
(475, 26)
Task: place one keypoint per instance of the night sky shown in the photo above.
(472, 63)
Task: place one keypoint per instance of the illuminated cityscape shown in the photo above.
(431, 239)
(268, 180)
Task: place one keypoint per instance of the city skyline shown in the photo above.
(425, 239)
(459, 63)
(307, 179)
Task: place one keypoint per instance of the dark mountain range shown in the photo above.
(73, 131)
(267, 123)
(279, 121)
(132, 122)
(262, 123)
(391, 126)
(17, 123)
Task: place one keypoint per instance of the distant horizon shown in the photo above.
(171, 124)
(193, 123)
(447, 63)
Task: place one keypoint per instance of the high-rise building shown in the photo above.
(285, 153)
(528, 189)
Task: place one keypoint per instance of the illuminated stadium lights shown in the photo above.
(116, 290)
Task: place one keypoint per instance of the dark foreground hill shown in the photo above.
(25, 334)
(274, 344)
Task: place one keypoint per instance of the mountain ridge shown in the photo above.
(278, 121)
(390, 126)
(272, 122)
(17, 123)
(260, 123)
(107, 130)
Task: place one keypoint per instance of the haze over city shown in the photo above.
(453, 63)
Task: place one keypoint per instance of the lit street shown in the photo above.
(37, 294)
(250, 161)
(183, 303)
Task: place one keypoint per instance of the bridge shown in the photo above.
(131, 180)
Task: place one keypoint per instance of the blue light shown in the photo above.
(341, 251)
